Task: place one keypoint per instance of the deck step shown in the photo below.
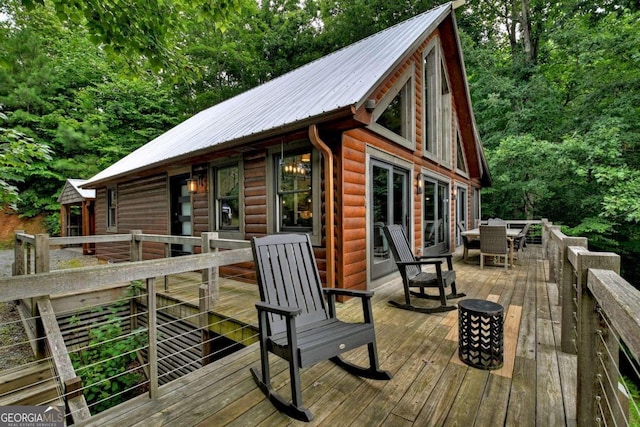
(29, 385)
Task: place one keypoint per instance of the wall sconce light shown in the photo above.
(419, 183)
(454, 193)
(192, 185)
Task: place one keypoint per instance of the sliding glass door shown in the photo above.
(388, 204)
(435, 221)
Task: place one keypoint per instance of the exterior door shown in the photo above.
(435, 217)
(388, 204)
(461, 213)
(180, 213)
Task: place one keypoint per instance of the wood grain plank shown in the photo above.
(511, 329)
(467, 400)
(522, 399)
(492, 410)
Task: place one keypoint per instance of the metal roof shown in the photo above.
(334, 82)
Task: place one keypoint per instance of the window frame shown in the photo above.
(437, 109)
(406, 80)
(216, 200)
(274, 211)
(461, 157)
(112, 208)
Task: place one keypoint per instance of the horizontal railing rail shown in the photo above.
(197, 321)
(600, 324)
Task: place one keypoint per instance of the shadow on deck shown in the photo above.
(431, 387)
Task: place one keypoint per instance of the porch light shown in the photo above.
(419, 183)
(192, 185)
(454, 193)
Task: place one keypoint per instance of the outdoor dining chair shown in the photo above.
(494, 243)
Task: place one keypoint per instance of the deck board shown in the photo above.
(430, 385)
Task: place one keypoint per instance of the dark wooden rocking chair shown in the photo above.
(414, 277)
(297, 324)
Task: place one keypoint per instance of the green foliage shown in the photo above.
(634, 402)
(52, 224)
(105, 365)
(17, 153)
(133, 31)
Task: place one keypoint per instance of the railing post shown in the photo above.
(42, 253)
(204, 306)
(588, 335)
(136, 246)
(567, 295)
(18, 255)
(41, 264)
(544, 240)
(153, 338)
(552, 254)
(210, 276)
(167, 254)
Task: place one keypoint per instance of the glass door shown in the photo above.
(435, 221)
(180, 213)
(389, 204)
(461, 213)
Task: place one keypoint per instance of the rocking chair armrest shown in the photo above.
(365, 297)
(348, 292)
(278, 309)
(403, 264)
(434, 257)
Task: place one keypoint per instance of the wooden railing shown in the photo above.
(38, 289)
(600, 323)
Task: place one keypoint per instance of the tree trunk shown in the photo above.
(529, 44)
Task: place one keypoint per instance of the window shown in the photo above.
(394, 115)
(461, 165)
(438, 115)
(445, 126)
(227, 197)
(429, 99)
(295, 199)
(112, 209)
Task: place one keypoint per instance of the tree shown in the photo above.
(135, 30)
(17, 152)
(62, 91)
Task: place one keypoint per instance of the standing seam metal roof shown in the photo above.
(334, 82)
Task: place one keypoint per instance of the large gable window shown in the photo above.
(393, 116)
(461, 164)
(438, 115)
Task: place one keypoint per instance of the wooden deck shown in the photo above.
(431, 387)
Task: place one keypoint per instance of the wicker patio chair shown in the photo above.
(493, 242)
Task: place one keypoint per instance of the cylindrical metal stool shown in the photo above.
(480, 333)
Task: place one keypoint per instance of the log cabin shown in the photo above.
(379, 132)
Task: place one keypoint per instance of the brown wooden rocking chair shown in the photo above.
(414, 277)
(297, 324)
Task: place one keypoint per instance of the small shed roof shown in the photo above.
(341, 80)
(72, 193)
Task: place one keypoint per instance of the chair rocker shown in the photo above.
(414, 277)
(298, 325)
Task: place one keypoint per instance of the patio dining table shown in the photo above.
(512, 233)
